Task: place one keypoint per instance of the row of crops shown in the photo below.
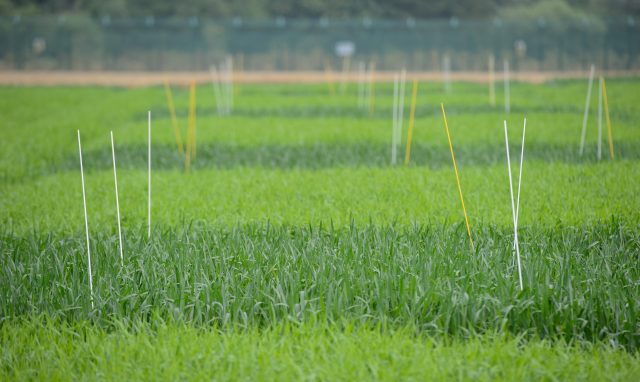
(291, 233)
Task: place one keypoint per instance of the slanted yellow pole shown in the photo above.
(174, 120)
(455, 168)
(412, 114)
(606, 113)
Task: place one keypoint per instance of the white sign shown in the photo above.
(345, 48)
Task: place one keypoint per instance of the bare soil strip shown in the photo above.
(139, 79)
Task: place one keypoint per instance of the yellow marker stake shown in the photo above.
(455, 168)
(606, 113)
(174, 120)
(191, 127)
(412, 114)
(187, 160)
(193, 120)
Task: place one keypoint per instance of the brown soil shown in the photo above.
(137, 79)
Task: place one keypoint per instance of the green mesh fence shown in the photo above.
(82, 43)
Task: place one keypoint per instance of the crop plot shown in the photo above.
(291, 233)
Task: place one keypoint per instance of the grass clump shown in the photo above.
(42, 349)
(580, 284)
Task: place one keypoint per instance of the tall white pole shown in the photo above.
(361, 80)
(403, 80)
(600, 120)
(586, 109)
(507, 90)
(229, 83)
(524, 129)
(149, 179)
(370, 84)
(446, 66)
(86, 222)
(224, 88)
(513, 209)
(215, 81)
(492, 80)
(115, 180)
(344, 77)
(394, 126)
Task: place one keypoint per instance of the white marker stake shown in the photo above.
(361, 79)
(221, 83)
(230, 83)
(215, 82)
(346, 65)
(600, 120)
(86, 221)
(394, 126)
(507, 95)
(586, 109)
(524, 129)
(492, 80)
(115, 179)
(370, 84)
(226, 72)
(224, 87)
(403, 81)
(446, 66)
(149, 181)
(513, 209)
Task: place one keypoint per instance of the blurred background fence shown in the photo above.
(85, 43)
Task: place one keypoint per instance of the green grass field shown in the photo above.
(293, 250)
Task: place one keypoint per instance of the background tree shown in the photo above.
(258, 9)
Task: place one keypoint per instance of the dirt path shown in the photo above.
(137, 79)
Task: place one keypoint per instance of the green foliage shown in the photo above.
(40, 348)
(293, 242)
(307, 8)
(545, 9)
(335, 195)
(557, 14)
(327, 163)
(580, 284)
(39, 128)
